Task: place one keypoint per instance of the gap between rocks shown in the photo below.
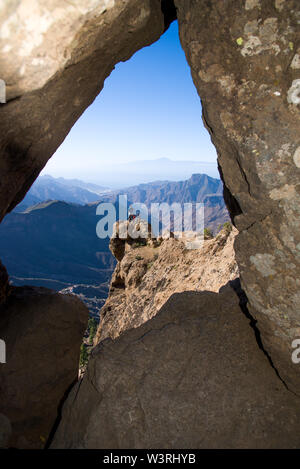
(236, 286)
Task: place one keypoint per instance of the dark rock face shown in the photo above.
(192, 377)
(4, 283)
(43, 331)
(244, 58)
(5, 431)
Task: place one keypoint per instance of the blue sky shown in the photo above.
(148, 109)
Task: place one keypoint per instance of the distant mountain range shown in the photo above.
(119, 175)
(68, 190)
(146, 171)
(194, 189)
(54, 243)
(198, 188)
(134, 176)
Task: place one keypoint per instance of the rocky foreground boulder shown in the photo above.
(149, 272)
(43, 331)
(191, 377)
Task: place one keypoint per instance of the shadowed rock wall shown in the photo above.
(43, 331)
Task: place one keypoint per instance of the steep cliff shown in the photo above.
(148, 274)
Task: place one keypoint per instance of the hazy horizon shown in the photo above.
(145, 171)
(149, 109)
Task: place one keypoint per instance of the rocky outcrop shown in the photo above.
(43, 331)
(148, 274)
(244, 58)
(192, 377)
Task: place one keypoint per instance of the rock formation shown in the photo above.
(43, 331)
(148, 274)
(191, 377)
(244, 59)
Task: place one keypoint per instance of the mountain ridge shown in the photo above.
(30, 241)
(68, 190)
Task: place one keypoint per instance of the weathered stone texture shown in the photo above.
(192, 377)
(146, 276)
(244, 63)
(43, 331)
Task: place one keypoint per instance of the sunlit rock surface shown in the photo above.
(148, 273)
(192, 377)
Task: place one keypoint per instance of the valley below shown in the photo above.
(53, 243)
